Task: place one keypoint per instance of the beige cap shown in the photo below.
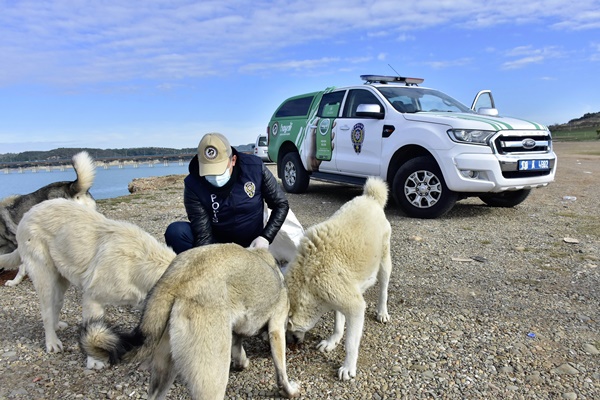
(214, 152)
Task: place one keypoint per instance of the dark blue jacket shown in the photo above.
(234, 213)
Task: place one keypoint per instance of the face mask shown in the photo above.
(219, 180)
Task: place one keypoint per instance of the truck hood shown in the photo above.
(474, 121)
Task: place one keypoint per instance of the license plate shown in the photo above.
(533, 165)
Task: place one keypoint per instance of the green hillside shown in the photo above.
(66, 153)
(578, 129)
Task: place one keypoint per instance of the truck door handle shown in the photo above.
(344, 128)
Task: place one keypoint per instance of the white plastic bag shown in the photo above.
(288, 238)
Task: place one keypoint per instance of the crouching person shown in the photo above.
(224, 197)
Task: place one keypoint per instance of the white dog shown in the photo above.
(62, 242)
(337, 261)
(13, 208)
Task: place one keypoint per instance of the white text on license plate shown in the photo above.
(533, 165)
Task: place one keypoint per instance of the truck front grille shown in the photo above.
(523, 142)
(521, 145)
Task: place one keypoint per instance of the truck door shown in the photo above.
(358, 140)
(484, 103)
(321, 133)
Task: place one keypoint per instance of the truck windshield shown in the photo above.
(414, 99)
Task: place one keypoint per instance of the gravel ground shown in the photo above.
(484, 303)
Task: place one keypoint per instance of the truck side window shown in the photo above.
(297, 107)
(356, 97)
(330, 104)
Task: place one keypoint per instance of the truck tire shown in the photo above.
(295, 179)
(505, 199)
(420, 190)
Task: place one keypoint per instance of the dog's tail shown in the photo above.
(86, 171)
(103, 342)
(155, 319)
(377, 189)
(10, 260)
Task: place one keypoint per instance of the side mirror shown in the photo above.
(489, 111)
(369, 111)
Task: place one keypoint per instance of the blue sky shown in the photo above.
(117, 74)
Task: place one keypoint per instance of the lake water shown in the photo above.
(110, 182)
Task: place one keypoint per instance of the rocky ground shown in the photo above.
(484, 303)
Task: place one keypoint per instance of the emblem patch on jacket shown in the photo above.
(250, 189)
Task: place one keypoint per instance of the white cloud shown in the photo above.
(526, 55)
(441, 64)
(65, 42)
(403, 37)
(288, 65)
(595, 56)
(590, 19)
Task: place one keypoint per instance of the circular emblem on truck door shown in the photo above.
(528, 143)
(358, 137)
(324, 126)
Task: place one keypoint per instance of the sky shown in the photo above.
(117, 74)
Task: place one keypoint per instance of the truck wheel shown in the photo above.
(420, 191)
(295, 179)
(505, 199)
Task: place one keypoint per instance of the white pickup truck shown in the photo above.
(431, 149)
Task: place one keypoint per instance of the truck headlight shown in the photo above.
(470, 136)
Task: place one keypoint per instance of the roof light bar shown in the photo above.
(391, 79)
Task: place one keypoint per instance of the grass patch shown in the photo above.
(115, 201)
(566, 214)
(589, 153)
(576, 135)
(558, 254)
(545, 267)
(589, 227)
(525, 282)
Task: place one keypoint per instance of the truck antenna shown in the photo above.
(394, 70)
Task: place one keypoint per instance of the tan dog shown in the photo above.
(194, 319)
(337, 261)
(64, 243)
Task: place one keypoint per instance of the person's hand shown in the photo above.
(259, 243)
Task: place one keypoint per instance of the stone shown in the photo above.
(565, 369)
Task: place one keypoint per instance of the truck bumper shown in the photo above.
(472, 172)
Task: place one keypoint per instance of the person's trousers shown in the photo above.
(179, 236)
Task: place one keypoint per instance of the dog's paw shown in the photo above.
(94, 363)
(11, 283)
(293, 390)
(240, 364)
(61, 325)
(327, 345)
(383, 317)
(345, 373)
(54, 347)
